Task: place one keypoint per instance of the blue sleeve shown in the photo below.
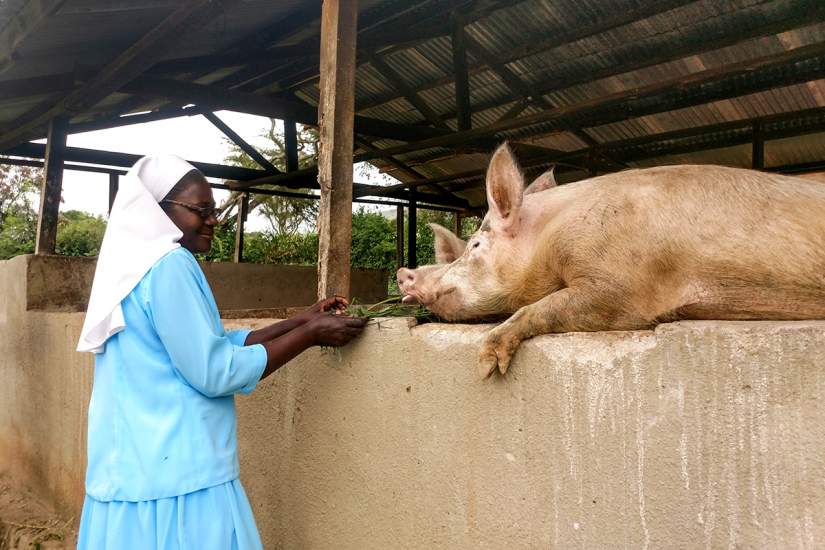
(238, 337)
(189, 326)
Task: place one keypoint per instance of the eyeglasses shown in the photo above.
(204, 212)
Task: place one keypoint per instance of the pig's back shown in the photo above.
(702, 219)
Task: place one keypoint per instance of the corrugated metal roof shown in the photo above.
(520, 35)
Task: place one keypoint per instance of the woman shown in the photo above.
(162, 456)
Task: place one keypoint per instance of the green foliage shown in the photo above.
(18, 219)
(295, 249)
(79, 234)
(17, 235)
(373, 241)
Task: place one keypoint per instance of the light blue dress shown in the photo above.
(162, 452)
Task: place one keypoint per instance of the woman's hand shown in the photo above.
(333, 330)
(334, 304)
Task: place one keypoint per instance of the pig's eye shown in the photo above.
(476, 244)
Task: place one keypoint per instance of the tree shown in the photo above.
(373, 241)
(285, 215)
(79, 233)
(18, 219)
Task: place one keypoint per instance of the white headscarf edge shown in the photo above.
(138, 234)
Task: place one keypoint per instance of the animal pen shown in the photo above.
(697, 434)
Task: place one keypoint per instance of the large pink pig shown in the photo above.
(629, 250)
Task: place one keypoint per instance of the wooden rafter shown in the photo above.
(525, 91)
(397, 81)
(241, 142)
(702, 138)
(398, 165)
(274, 107)
(403, 33)
(141, 55)
(116, 122)
(21, 26)
(554, 40)
(742, 26)
(462, 80)
(798, 65)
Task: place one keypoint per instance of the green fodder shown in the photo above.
(391, 307)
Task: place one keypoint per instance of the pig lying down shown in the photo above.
(627, 251)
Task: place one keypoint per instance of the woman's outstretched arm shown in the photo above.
(280, 328)
(323, 329)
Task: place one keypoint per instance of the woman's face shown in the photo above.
(197, 230)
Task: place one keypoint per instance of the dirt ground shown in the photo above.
(28, 522)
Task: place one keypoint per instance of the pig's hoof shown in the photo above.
(487, 365)
(497, 351)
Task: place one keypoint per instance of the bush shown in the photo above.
(79, 234)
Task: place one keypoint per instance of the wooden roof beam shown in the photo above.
(798, 65)
(555, 40)
(128, 120)
(21, 26)
(218, 98)
(803, 122)
(404, 33)
(525, 91)
(126, 160)
(241, 142)
(746, 25)
(141, 55)
(397, 81)
(458, 46)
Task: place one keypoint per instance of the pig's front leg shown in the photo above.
(587, 308)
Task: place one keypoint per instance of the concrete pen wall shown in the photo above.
(695, 435)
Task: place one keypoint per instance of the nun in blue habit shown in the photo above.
(162, 467)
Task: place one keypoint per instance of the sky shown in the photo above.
(191, 137)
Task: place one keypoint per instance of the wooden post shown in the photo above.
(291, 145)
(758, 147)
(399, 236)
(592, 167)
(412, 258)
(113, 185)
(457, 224)
(462, 82)
(243, 212)
(50, 188)
(335, 120)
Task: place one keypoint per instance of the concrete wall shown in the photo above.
(61, 283)
(697, 435)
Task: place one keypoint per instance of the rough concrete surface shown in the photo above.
(700, 435)
(697, 435)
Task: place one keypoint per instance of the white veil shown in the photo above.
(138, 234)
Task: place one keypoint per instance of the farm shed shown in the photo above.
(424, 89)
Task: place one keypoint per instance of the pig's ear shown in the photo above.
(545, 181)
(505, 189)
(448, 246)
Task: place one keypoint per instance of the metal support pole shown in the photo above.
(50, 188)
(758, 147)
(399, 236)
(291, 145)
(412, 258)
(113, 185)
(243, 212)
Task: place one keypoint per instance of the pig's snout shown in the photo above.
(405, 277)
(406, 281)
